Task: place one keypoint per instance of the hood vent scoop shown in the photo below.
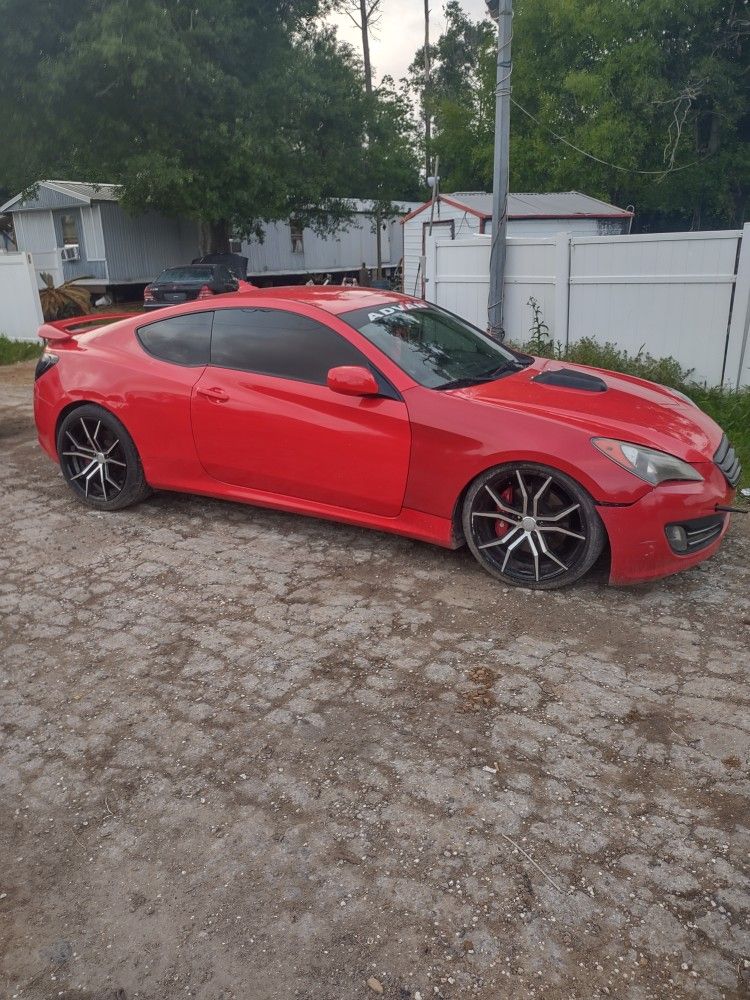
(566, 378)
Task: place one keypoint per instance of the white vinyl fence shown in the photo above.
(681, 294)
(20, 307)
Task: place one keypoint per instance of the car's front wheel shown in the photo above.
(99, 460)
(532, 526)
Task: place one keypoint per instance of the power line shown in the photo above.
(606, 163)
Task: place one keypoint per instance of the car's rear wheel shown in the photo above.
(98, 459)
(532, 526)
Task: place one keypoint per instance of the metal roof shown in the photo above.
(555, 205)
(87, 191)
(77, 190)
(364, 205)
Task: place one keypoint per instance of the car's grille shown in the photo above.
(699, 533)
(702, 532)
(727, 461)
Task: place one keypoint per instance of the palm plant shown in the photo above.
(64, 300)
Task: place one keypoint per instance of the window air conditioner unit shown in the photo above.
(71, 252)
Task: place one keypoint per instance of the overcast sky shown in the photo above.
(400, 32)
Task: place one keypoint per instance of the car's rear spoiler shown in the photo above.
(62, 330)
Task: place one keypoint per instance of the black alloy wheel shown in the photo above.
(532, 526)
(98, 459)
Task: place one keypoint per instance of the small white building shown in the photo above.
(466, 213)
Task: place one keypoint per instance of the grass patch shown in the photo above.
(730, 409)
(12, 351)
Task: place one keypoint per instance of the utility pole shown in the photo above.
(502, 12)
(426, 98)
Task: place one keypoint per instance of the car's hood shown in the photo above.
(630, 409)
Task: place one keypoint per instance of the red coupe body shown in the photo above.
(400, 460)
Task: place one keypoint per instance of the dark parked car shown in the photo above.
(236, 263)
(190, 281)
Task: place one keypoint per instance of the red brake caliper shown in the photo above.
(502, 527)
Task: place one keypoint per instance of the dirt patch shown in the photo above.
(19, 374)
(247, 755)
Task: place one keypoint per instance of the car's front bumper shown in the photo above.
(638, 543)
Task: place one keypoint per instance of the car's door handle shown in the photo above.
(214, 393)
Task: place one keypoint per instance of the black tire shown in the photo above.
(98, 459)
(532, 526)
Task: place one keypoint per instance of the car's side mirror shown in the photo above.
(352, 380)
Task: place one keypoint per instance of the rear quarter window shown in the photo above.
(181, 340)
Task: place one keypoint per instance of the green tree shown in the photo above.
(390, 165)
(231, 112)
(458, 102)
(648, 85)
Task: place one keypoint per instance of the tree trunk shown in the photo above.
(425, 99)
(365, 25)
(218, 237)
(378, 243)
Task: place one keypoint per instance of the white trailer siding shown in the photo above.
(139, 247)
(343, 250)
(35, 231)
(35, 234)
(448, 221)
(544, 228)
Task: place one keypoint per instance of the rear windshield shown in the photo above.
(186, 274)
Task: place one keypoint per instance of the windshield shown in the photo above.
(186, 274)
(435, 347)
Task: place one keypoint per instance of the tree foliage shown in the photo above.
(648, 85)
(231, 112)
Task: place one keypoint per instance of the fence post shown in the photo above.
(562, 287)
(429, 275)
(737, 359)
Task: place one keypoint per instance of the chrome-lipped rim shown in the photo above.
(95, 460)
(528, 526)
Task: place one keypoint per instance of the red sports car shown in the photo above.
(385, 411)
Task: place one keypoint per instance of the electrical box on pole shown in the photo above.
(502, 12)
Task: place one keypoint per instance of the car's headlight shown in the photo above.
(653, 466)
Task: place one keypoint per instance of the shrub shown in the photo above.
(12, 351)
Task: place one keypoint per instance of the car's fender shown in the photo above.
(454, 441)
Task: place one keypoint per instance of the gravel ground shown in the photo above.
(249, 755)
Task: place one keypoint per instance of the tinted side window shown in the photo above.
(274, 342)
(183, 340)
